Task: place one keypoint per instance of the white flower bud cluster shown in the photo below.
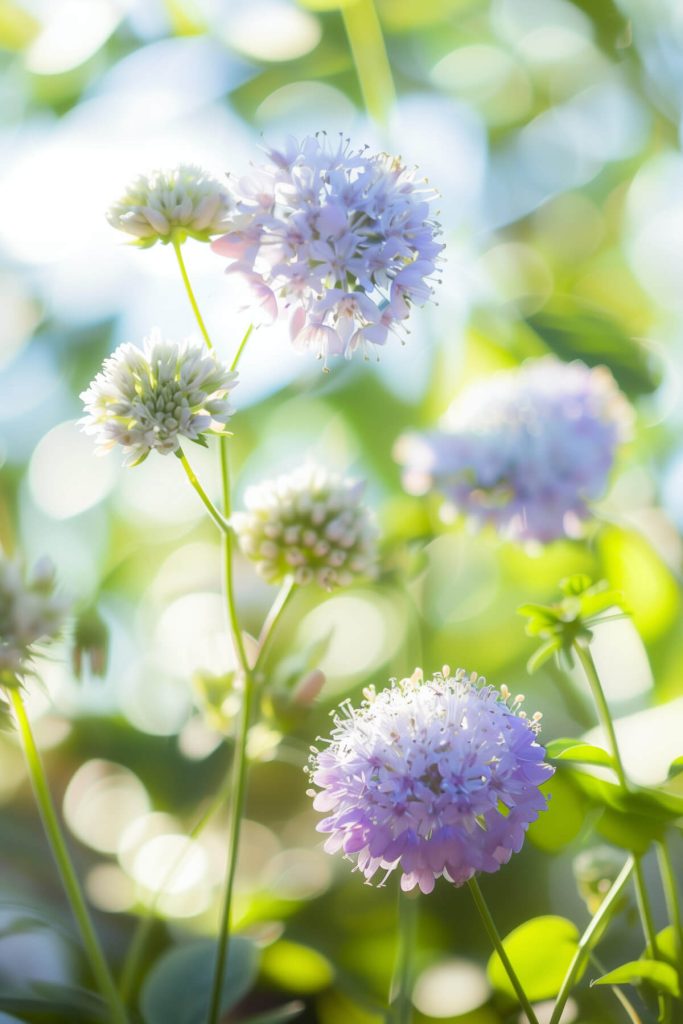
(173, 204)
(149, 399)
(30, 611)
(310, 524)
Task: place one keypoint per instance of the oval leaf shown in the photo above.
(541, 951)
(178, 988)
(580, 753)
(661, 976)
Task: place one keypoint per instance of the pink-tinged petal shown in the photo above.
(320, 339)
(297, 323)
(233, 246)
(250, 292)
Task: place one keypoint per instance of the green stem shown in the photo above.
(239, 779)
(241, 347)
(497, 942)
(60, 852)
(586, 658)
(222, 523)
(591, 937)
(642, 897)
(649, 931)
(131, 966)
(273, 617)
(401, 992)
(670, 886)
(369, 53)
(190, 294)
(628, 1006)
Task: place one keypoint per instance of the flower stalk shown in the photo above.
(34, 764)
(400, 995)
(497, 943)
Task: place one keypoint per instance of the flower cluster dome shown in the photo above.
(149, 399)
(432, 778)
(526, 450)
(30, 612)
(310, 524)
(342, 239)
(168, 205)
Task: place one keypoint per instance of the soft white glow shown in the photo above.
(621, 660)
(192, 633)
(648, 741)
(363, 632)
(272, 30)
(65, 476)
(451, 988)
(73, 30)
(100, 802)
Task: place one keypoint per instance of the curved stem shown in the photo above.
(369, 53)
(190, 294)
(222, 523)
(670, 886)
(497, 942)
(239, 779)
(400, 995)
(273, 617)
(591, 937)
(642, 897)
(131, 966)
(586, 658)
(60, 852)
(628, 1006)
(241, 347)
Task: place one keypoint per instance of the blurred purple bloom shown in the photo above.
(433, 778)
(525, 450)
(341, 239)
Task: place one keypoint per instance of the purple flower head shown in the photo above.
(340, 239)
(436, 777)
(526, 450)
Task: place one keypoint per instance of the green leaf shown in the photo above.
(581, 753)
(546, 651)
(178, 988)
(540, 951)
(296, 968)
(56, 1008)
(564, 817)
(667, 944)
(661, 976)
(675, 768)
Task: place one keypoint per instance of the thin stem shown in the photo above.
(273, 617)
(586, 658)
(222, 523)
(369, 53)
(241, 347)
(649, 931)
(497, 942)
(628, 1006)
(642, 897)
(190, 294)
(239, 779)
(60, 852)
(400, 995)
(131, 966)
(670, 886)
(591, 937)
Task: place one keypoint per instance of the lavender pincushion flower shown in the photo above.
(526, 450)
(432, 778)
(342, 239)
